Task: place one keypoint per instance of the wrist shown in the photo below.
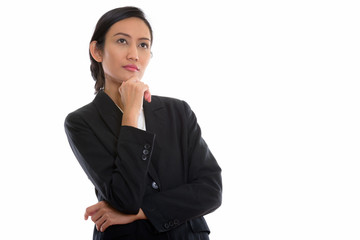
(130, 119)
(140, 215)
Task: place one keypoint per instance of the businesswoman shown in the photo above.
(153, 173)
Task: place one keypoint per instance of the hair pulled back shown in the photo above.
(102, 27)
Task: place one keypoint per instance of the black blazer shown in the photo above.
(168, 171)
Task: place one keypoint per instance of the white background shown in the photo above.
(274, 84)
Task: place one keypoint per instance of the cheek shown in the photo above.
(145, 62)
(110, 62)
(106, 66)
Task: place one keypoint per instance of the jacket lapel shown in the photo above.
(154, 115)
(155, 119)
(108, 111)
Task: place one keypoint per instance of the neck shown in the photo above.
(114, 94)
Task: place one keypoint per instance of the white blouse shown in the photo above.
(141, 120)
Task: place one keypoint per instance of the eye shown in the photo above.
(122, 40)
(144, 45)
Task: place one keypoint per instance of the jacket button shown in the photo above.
(145, 152)
(166, 226)
(154, 185)
(147, 146)
(144, 157)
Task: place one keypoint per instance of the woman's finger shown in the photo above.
(105, 225)
(147, 96)
(97, 215)
(100, 222)
(90, 211)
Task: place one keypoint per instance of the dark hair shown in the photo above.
(102, 27)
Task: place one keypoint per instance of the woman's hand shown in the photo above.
(132, 93)
(104, 216)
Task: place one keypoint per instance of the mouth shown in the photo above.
(131, 68)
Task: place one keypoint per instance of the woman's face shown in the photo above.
(126, 53)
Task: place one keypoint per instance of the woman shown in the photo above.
(153, 173)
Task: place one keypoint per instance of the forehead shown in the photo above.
(135, 27)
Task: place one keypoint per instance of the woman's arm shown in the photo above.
(116, 167)
(201, 194)
(118, 172)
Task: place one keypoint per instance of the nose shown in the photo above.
(133, 53)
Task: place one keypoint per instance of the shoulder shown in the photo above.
(171, 103)
(165, 100)
(79, 115)
(101, 102)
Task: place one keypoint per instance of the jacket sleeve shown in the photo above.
(202, 193)
(119, 177)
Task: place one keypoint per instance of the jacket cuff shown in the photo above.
(130, 136)
(160, 223)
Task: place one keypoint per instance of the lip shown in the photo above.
(131, 67)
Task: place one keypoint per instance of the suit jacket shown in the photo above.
(168, 170)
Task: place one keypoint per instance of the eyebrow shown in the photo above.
(127, 35)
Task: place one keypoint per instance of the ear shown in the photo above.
(95, 52)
